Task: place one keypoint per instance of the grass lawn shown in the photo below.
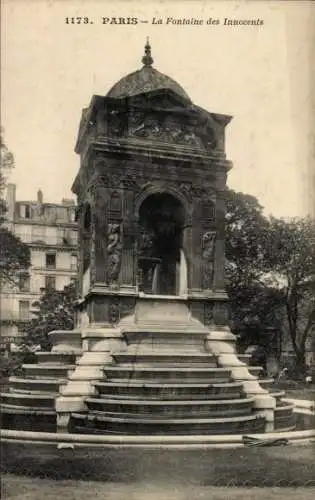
(23, 488)
(277, 466)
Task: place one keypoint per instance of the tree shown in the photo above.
(55, 310)
(14, 257)
(14, 254)
(6, 166)
(270, 272)
(247, 231)
(290, 252)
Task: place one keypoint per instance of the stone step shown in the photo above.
(255, 370)
(92, 424)
(171, 409)
(166, 359)
(284, 408)
(27, 418)
(154, 390)
(25, 410)
(266, 383)
(139, 372)
(245, 358)
(19, 384)
(67, 358)
(47, 370)
(171, 380)
(277, 394)
(34, 401)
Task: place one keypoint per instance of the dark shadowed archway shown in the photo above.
(161, 221)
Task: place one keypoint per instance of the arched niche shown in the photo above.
(161, 260)
(161, 188)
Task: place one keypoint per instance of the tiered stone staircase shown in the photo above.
(29, 404)
(166, 375)
(165, 393)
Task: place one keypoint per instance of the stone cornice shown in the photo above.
(47, 246)
(133, 150)
(159, 102)
(154, 149)
(34, 222)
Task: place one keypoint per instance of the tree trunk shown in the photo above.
(300, 365)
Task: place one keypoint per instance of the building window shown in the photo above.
(51, 260)
(73, 262)
(50, 282)
(25, 211)
(24, 310)
(66, 239)
(24, 282)
(72, 214)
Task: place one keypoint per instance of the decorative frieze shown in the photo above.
(173, 125)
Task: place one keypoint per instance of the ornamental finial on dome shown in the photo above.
(147, 58)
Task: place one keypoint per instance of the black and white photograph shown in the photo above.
(157, 249)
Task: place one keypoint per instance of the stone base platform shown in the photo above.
(159, 371)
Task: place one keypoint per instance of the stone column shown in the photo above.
(128, 265)
(81, 249)
(187, 249)
(100, 216)
(219, 280)
(196, 247)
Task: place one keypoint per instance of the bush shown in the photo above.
(11, 363)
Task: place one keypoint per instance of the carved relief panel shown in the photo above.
(114, 252)
(165, 128)
(176, 125)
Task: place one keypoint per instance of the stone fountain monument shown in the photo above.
(152, 352)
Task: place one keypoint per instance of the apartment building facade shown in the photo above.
(50, 231)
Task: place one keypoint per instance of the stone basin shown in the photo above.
(285, 419)
(89, 424)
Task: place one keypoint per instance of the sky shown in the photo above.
(261, 75)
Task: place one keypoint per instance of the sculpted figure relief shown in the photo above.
(145, 243)
(114, 250)
(208, 241)
(208, 247)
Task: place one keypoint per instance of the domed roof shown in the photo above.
(145, 79)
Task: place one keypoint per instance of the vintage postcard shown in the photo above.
(157, 248)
